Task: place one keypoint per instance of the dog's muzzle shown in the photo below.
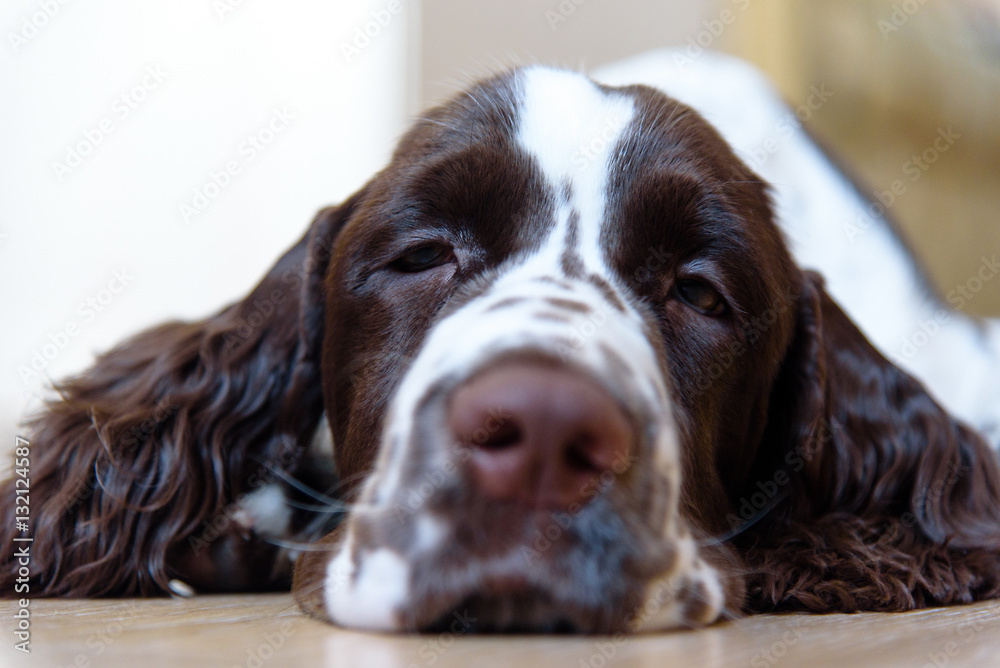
(528, 478)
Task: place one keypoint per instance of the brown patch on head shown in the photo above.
(552, 317)
(569, 305)
(562, 283)
(607, 291)
(506, 303)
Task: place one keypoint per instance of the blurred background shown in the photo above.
(155, 158)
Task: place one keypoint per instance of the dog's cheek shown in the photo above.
(730, 571)
(309, 582)
(387, 328)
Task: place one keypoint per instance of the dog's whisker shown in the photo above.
(730, 614)
(746, 524)
(428, 119)
(336, 507)
(298, 546)
(296, 483)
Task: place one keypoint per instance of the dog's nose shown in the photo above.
(543, 435)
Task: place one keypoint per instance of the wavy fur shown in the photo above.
(894, 505)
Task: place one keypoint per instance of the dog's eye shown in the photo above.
(423, 258)
(700, 296)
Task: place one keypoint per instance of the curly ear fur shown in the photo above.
(136, 456)
(891, 503)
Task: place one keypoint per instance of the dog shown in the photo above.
(553, 369)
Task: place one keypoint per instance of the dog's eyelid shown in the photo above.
(700, 294)
(423, 256)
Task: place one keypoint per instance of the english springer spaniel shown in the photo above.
(574, 381)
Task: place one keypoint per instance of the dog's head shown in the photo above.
(562, 338)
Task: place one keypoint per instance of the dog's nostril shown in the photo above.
(539, 433)
(577, 454)
(505, 435)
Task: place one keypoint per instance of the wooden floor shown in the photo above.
(257, 631)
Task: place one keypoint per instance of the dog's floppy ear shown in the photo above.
(880, 499)
(139, 466)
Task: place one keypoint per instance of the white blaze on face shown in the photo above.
(571, 127)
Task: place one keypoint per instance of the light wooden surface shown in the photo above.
(258, 631)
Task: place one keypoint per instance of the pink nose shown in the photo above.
(540, 434)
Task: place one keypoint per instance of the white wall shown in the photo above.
(222, 69)
(464, 40)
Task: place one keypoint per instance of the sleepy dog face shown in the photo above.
(549, 311)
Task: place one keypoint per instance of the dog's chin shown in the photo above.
(531, 572)
(501, 600)
(581, 582)
(530, 610)
(587, 582)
